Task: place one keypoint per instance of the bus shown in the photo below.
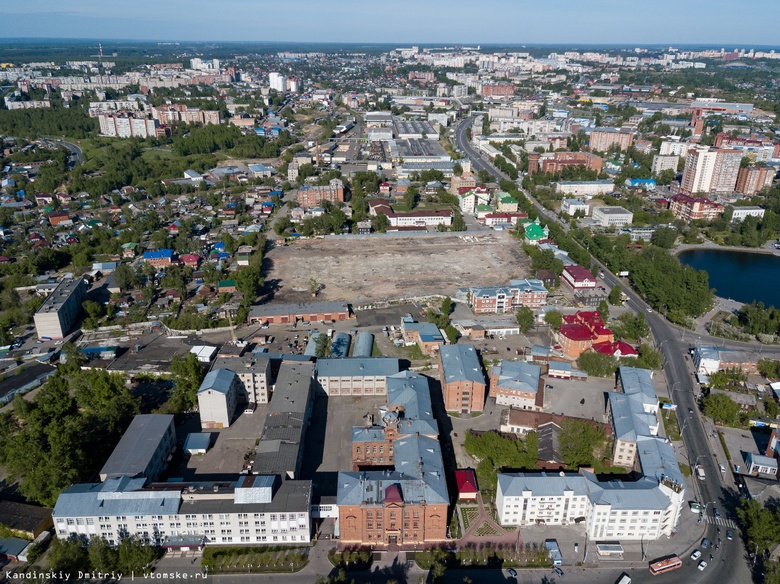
(666, 564)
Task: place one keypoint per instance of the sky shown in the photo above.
(727, 23)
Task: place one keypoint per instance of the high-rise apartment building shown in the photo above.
(278, 82)
(710, 170)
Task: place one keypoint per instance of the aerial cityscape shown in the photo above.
(344, 311)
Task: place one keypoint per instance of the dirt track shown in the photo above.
(361, 270)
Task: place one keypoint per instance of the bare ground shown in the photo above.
(379, 268)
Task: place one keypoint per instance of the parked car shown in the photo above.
(512, 572)
(716, 512)
(548, 386)
(558, 571)
(695, 555)
(702, 565)
(705, 543)
(729, 535)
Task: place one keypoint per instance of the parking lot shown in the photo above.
(226, 454)
(741, 442)
(580, 399)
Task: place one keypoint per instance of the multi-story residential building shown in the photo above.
(754, 179)
(312, 196)
(577, 277)
(59, 312)
(143, 450)
(277, 81)
(643, 509)
(248, 510)
(662, 162)
(602, 139)
(462, 380)
(672, 148)
(218, 398)
(500, 299)
(517, 384)
(710, 170)
(555, 162)
(496, 89)
(127, 125)
(612, 216)
(254, 375)
(693, 208)
(421, 218)
(708, 359)
(572, 206)
(470, 198)
(740, 213)
(355, 376)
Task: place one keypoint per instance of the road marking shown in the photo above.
(721, 521)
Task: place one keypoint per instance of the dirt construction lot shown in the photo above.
(367, 269)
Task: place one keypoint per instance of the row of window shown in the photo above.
(225, 517)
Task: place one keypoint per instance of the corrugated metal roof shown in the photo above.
(218, 380)
(461, 363)
(137, 447)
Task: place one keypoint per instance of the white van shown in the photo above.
(624, 579)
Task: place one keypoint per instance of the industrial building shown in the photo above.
(144, 449)
(355, 375)
(218, 399)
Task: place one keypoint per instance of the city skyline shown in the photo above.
(601, 22)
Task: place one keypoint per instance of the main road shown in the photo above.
(729, 563)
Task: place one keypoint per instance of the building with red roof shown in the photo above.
(615, 349)
(466, 482)
(577, 277)
(191, 260)
(580, 331)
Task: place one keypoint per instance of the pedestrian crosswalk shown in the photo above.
(720, 521)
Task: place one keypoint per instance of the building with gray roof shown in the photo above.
(290, 313)
(409, 407)
(653, 502)
(364, 345)
(280, 450)
(355, 375)
(462, 379)
(125, 506)
(218, 398)
(339, 345)
(58, 314)
(254, 374)
(143, 450)
(517, 384)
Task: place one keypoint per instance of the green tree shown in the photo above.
(664, 237)
(93, 309)
(615, 296)
(248, 283)
(579, 440)
(314, 287)
(68, 556)
(410, 198)
(102, 555)
(554, 319)
(135, 556)
(525, 318)
(452, 333)
(446, 306)
(769, 368)
(603, 310)
(125, 277)
(322, 345)
(187, 377)
(457, 169)
(761, 526)
(722, 409)
(597, 364)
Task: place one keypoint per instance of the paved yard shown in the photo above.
(566, 397)
(741, 442)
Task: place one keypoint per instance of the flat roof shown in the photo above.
(60, 295)
(298, 309)
(137, 446)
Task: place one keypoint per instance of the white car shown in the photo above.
(695, 555)
(702, 565)
(722, 468)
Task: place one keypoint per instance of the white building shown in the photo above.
(643, 509)
(612, 216)
(355, 376)
(663, 162)
(254, 374)
(741, 212)
(278, 82)
(585, 188)
(469, 201)
(571, 206)
(257, 509)
(674, 148)
(218, 398)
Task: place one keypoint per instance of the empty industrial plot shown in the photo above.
(376, 268)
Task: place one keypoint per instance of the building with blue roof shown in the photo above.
(159, 258)
(339, 345)
(355, 375)
(409, 408)
(426, 335)
(364, 345)
(218, 398)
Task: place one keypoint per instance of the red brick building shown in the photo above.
(462, 380)
(289, 313)
(580, 331)
(555, 162)
(692, 208)
(312, 196)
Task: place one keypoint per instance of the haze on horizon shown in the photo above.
(703, 22)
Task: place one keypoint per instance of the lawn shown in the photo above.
(487, 530)
(470, 515)
(255, 559)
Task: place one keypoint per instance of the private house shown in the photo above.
(517, 384)
(426, 335)
(218, 399)
(462, 380)
(160, 258)
(466, 481)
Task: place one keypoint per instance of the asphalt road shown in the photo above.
(671, 340)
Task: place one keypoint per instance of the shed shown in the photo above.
(204, 353)
(364, 345)
(12, 547)
(197, 443)
(339, 346)
(466, 482)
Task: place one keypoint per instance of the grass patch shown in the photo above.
(604, 468)
(351, 559)
(271, 559)
(723, 443)
(375, 352)
(487, 530)
(414, 353)
(470, 515)
(685, 470)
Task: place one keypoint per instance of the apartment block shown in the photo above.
(127, 125)
(254, 375)
(602, 139)
(500, 299)
(662, 162)
(555, 162)
(754, 179)
(693, 208)
(462, 380)
(312, 196)
(60, 311)
(218, 398)
(710, 171)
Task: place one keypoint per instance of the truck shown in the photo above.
(700, 472)
(555, 551)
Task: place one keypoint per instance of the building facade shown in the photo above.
(754, 179)
(612, 216)
(355, 376)
(218, 399)
(710, 171)
(517, 384)
(602, 139)
(500, 299)
(693, 208)
(462, 380)
(58, 314)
